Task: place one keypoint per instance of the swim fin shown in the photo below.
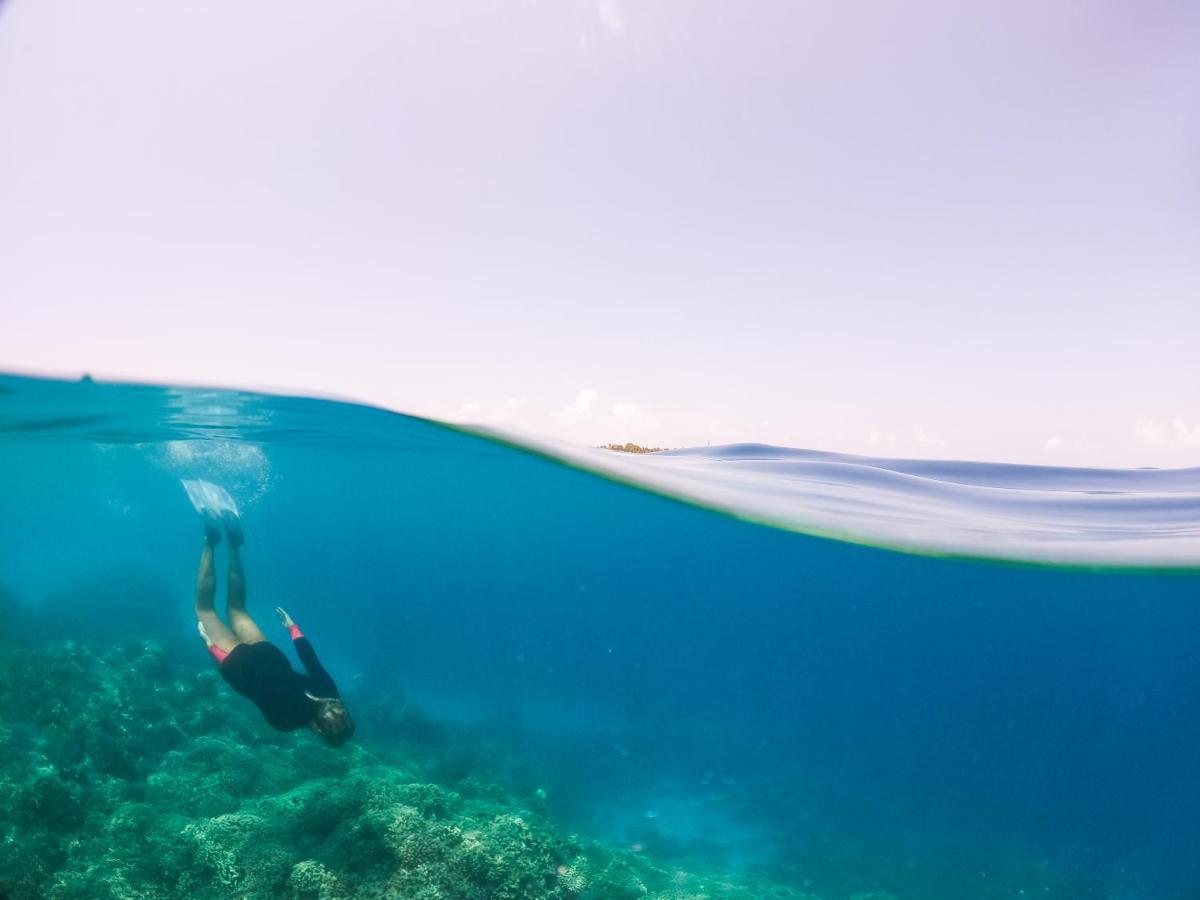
(216, 507)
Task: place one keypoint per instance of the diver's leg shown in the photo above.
(244, 627)
(215, 632)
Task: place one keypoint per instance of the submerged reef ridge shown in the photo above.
(126, 775)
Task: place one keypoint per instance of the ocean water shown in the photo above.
(849, 677)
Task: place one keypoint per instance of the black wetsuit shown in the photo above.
(261, 672)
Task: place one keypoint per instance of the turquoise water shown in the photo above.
(660, 671)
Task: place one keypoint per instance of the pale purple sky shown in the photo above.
(909, 228)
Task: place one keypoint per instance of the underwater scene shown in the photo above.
(725, 672)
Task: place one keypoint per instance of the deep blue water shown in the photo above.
(840, 715)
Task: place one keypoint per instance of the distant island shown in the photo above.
(634, 448)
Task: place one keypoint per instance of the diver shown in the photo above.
(253, 666)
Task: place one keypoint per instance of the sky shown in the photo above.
(896, 228)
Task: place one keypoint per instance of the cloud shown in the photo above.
(928, 441)
(1177, 432)
(603, 420)
(580, 408)
(506, 413)
(588, 418)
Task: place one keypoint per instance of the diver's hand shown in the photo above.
(284, 618)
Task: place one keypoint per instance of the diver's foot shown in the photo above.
(233, 528)
(212, 531)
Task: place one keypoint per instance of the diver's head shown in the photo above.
(332, 720)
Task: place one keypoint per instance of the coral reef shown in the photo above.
(125, 775)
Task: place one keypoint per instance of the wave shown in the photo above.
(1060, 516)
(1043, 515)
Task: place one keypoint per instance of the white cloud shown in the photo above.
(592, 418)
(506, 413)
(927, 440)
(1186, 435)
(580, 408)
(1177, 432)
(589, 418)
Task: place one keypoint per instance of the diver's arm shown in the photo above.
(322, 684)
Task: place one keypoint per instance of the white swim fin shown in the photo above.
(210, 500)
(216, 507)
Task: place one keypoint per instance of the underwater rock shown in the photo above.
(124, 775)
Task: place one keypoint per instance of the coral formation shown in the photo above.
(123, 775)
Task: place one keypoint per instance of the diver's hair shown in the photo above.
(343, 724)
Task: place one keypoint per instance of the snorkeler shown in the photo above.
(253, 666)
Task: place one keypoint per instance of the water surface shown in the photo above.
(666, 671)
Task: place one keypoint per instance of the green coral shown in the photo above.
(125, 776)
(312, 881)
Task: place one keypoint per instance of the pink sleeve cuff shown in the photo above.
(294, 631)
(217, 653)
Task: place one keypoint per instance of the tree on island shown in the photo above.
(633, 448)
